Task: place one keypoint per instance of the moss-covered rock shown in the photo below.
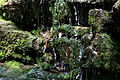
(106, 53)
(68, 50)
(65, 46)
(97, 19)
(16, 45)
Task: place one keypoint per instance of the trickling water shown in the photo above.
(75, 15)
(81, 52)
(54, 53)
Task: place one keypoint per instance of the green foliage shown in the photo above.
(36, 31)
(1, 7)
(45, 65)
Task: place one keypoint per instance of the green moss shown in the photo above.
(13, 64)
(106, 53)
(1, 7)
(68, 49)
(16, 45)
(97, 19)
(69, 31)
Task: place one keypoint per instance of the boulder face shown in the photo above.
(28, 14)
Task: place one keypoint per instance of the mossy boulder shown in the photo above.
(97, 19)
(16, 45)
(68, 50)
(66, 46)
(106, 53)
